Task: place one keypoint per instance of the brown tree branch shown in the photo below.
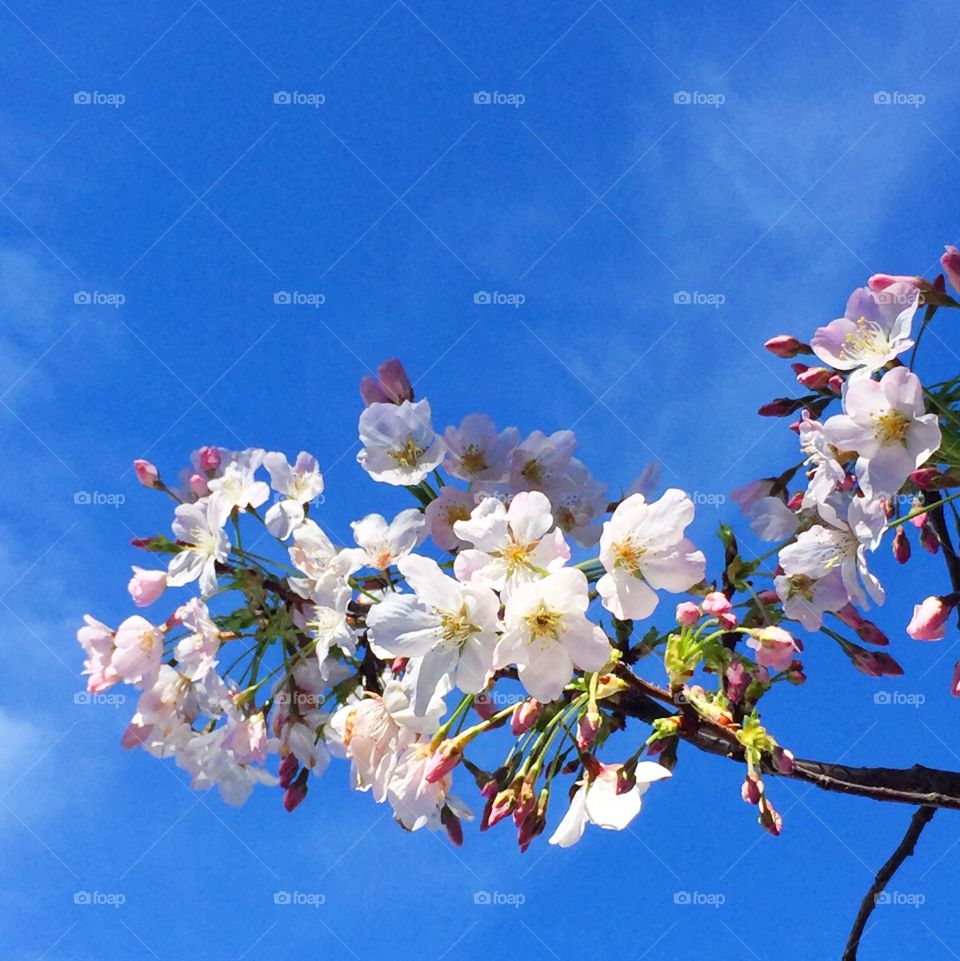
(916, 785)
(904, 849)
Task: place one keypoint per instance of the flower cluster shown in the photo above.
(471, 610)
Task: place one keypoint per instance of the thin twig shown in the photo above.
(904, 849)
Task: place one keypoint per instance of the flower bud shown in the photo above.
(484, 706)
(769, 819)
(526, 803)
(784, 761)
(134, 735)
(786, 346)
(930, 619)
(372, 392)
(780, 407)
(687, 613)
(929, 540)
(209, 458)
(147, 473)
(930, 479)
(901, 545)
(955, 681)
(288, 770)
(752, 789)
(880, 282)
(813, 378)
(950, 262)
(737, 680)
(499, 807)
(874, 663)
(198, 485)
(525, 715)
(587, 729)
(836, 383)
(453, 825)
(446, 757)
(146, 586)
(395, 381)
(296, 793)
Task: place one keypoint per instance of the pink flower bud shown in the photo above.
(135, 735)
(929, 540)
(880, 282)
(784, 761)
(796, 501)
(813, 378)
(147, 473)
(780, 407)
(874, 663)
(399, 665)
(198, 485)
(372, 392)
(785, 345)
(687, 613)
(955, 681)
(717, 603)
(836, 383)
(901, 545)
(752, 789)
(146, 586)
(950, 262)
(296, 793)
(446, 757)
(498, 807)
(769, 819)
(394, 380)
(930, 619)
(209, 458)
(927, 478)
(737, 681)
(587, 729)
(288, 770)
(453, 825)
(525, 715)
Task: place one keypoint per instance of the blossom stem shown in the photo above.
(921, 510)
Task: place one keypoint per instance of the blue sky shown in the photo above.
(599, 199)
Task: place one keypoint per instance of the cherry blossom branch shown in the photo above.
(914, 785)
(918, 822)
